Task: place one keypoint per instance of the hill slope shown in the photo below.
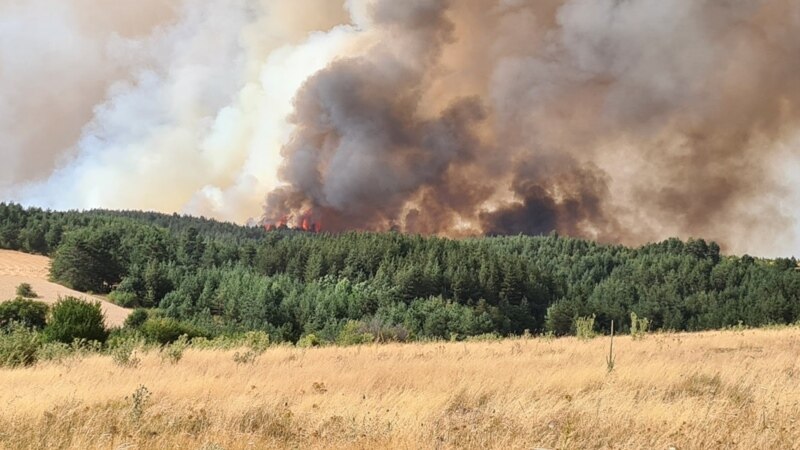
(226, 278)
(17, 268)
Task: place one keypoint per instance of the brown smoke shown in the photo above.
(620, 120)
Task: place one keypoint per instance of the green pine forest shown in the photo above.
(223, 278)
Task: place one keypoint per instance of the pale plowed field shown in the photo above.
(17, 268)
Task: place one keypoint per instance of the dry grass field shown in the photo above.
(17, 268)
(728, 389)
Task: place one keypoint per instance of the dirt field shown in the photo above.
(17, 268)
(716, 390)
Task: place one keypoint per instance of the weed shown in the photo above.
(639, 326)
(212, 446)
(248, 357)
(584, 327)
(123, 353)
(139, 400)
(54, 351)
(548, 336)
(172, 353)
(485, 337)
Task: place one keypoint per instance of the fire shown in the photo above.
(280, 223)
(308, 221)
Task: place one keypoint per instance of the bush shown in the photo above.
(257, 341)
(28, 313)
(19, 346)
(165, 330)
(384, 332)
(560, 318)
(309, 340)
(353, 333)
(124, 298)
(137, 318)
(25, 290)
(75, 319)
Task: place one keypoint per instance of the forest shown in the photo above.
(217, 278)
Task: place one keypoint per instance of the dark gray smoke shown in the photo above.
(620, 120)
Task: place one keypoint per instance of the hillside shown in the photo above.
(224, 278)
(17, 268)
(731, 389)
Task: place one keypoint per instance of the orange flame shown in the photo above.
(305, 222)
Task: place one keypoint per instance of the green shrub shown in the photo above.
(164, 330)
(28, 313)
(75, 319)
(353, 334)
(584, 327)
(19, 346)
(309, 340)
(257, 341)
(136, 318)
(560, 318)
(124, 298)
(25, 290)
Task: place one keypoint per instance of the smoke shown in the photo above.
(163, 105)
(623, 121)
(618, 120)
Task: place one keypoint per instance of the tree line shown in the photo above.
(221, 277)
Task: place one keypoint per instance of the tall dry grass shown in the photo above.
(732, 389)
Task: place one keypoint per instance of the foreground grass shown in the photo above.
(732, 389)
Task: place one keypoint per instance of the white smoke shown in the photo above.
(188, 114)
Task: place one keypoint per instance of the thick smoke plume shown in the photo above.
(619, 120)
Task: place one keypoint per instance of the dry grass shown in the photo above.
(732, 389)
(17, 268)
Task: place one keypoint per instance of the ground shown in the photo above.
(17, 268)
(727, 389)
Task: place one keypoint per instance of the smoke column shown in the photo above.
(618, 120)
(622, 121)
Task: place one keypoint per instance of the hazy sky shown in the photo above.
(619, 121)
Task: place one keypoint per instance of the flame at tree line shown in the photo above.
(306, 221)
